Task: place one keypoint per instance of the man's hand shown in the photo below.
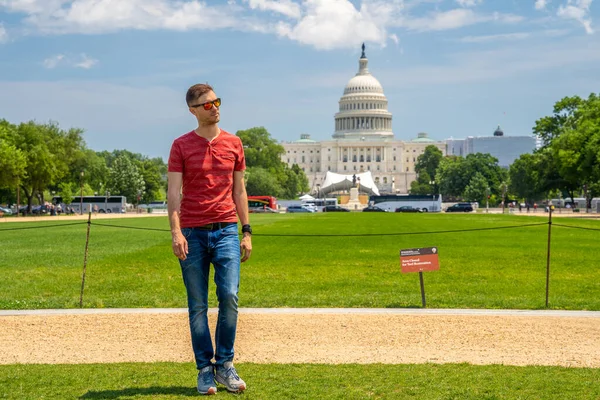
(180, 245)
(246, 246)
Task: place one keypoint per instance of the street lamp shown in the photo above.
(106, 202)
(81, 196)
(487, 199)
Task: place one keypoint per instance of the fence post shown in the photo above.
(87, 241)
(548, 256)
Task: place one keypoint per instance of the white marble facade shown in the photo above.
(363, 140)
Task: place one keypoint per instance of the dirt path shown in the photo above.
(308, 337)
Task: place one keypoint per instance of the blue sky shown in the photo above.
(119, 69)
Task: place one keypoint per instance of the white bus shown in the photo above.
(319, 204)
(389, 202)
(577, 202)
(101, 204)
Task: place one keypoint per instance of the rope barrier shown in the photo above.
(576, 227)
(42, 227)
(131, 227)
(312, 234)
(346, 235)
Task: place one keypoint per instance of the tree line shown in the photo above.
(567, 165)
(43, 160)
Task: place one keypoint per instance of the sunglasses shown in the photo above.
(209, 104)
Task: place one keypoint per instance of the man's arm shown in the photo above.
(240, 198)
(180, 246)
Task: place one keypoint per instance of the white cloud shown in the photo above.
(3, 34)
(285, 7)
(83, 61)
(541, 4)
(456, 18)
(328, 24)
(99, 16)
(514, 36)
(489, 65)
(54, 61)
(578, 10)
(468, 3)
(493, 38)
(323, 24)
(86, 62)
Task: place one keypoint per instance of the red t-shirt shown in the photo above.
(207, 169)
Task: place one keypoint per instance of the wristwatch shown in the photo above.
(247, 228)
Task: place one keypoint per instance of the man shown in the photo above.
(207, 167)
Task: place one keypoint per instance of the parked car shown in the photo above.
(335, 209)
(408, 209)
(460, 207)
(298, 209)
(373, 209)
(262, 210)
(5, 211)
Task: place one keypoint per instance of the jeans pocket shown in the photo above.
(186, 232)
(229, 230)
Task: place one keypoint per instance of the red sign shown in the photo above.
(419, 260)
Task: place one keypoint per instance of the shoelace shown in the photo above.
(207, 378)
(231, 372)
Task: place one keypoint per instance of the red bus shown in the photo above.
(262, 204)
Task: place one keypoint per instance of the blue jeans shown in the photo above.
(221, 248)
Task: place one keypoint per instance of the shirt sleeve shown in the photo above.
(240, 159)
(175, 159)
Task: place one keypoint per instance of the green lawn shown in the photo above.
(349, 381)
(504, 268)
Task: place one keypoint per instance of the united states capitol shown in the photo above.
(363, 144)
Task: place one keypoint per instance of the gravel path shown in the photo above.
(309, 336)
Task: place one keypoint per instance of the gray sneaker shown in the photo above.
(206, 381)
(227, 376)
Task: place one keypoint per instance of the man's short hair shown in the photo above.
(194, 92)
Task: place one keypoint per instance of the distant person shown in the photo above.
(207, 167)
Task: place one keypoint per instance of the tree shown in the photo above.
(66, 192)
(477, 189)
(125, 179)
(260, 182)
(49, 151)
(429, 162)
(486, 165)
(551, 127)
(451, 176)
(421, 185)
(293, 182)
(13, 161)
(153, 180)
(454, 173)
(572, 145)
(525, 181)
(261, 150)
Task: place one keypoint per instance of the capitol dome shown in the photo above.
(363, 84)
(363, 112)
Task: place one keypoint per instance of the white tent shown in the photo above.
(306, 197)
(335, 182)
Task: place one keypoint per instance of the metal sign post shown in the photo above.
(419, 260)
